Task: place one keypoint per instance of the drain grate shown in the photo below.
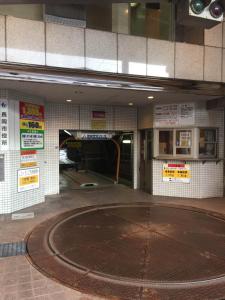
(13, 249)
(89, 185)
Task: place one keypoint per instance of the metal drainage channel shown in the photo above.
(13, 249)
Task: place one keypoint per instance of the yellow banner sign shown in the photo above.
(28, 164)
(28, 180)
(98, 124)
(32, 125)
(176, 173)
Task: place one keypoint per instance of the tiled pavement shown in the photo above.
(19, 280)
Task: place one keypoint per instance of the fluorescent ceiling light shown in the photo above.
(126, 142)
(130, 103)
(133, 4)
(150, 97)
(67, 132)
(68, 100)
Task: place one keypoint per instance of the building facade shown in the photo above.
(39, 56)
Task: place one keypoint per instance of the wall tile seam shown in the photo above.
(204, 65)
(5, 37)
(85, 52)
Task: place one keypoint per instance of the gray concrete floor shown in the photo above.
(19, 280)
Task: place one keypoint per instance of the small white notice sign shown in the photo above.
(28, 179)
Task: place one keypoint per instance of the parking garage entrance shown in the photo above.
(92, 159)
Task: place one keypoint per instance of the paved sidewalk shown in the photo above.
(19, 280)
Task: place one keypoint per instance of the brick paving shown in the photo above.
(19, 280)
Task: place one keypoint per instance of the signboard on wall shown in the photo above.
(176, 173)
(2, 167)
(174, 115)
(28, 158)
(186, 114)
(94, 136)
(31, 126)
(28, 179)
(4, 123)
(98, 121)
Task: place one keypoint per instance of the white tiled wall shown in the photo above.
(85, 116)
(69, 116)
(10, 199)
(206, 178)
(58, 116)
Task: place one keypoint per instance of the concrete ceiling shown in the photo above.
(98, 95)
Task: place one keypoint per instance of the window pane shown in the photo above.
(183, 138)
(207, 142)
(153, 19)
(208, 135)
(183, 151)
(207, 150)
(165, 142)
(99, 16)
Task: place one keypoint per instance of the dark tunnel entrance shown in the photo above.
(95, 159)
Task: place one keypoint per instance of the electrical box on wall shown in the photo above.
(200, 13)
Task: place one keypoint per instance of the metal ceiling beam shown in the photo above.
(76, 77)
(62, 1)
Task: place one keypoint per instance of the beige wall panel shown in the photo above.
(2, 38)
(213, 36)
(160, 59)
(101, 50)
(213, 64)
(223, 35)
(189, 61)
(131, 54)
(25, 41)
(223, 64)
(64, 46)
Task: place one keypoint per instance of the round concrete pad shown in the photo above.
(134, 251)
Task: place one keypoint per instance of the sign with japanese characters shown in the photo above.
(185, 138)
(4, 125)
(28, 159)
(176, 173)
(98, 121)
(187, 114)
(28, 179)
(31, 126)
(94, 136)
(174, 115)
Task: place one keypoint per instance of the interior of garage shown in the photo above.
(100, 159)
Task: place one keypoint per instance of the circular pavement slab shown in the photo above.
(134, 251)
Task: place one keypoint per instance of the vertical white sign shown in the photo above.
(187, 114)
(4, 125)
